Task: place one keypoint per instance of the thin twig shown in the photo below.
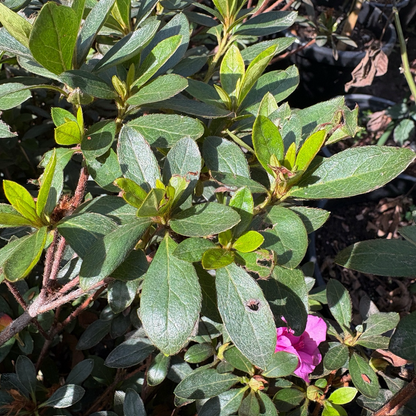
(57, 259)
(70, 285)
(287, 6)
(49, 259)
(398, 400)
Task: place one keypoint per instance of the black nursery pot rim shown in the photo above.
(370, 17)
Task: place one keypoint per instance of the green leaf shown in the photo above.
(192, 249)
(157, 58)
(9, 44)
(267, 23)
(133, 194)
(287, 295)
(98, 139)
(53, 37)
(333, 410)
(288, 237)
(159, 89)
(21, 200)
(232, 70)
(204, 92)
(15, 24)
(267, 106)
(242, 202)
(336, 357)
(20, 263)
(170, 294)
(395, 258)
(82, 231)
(267, 407)
(107, 254)
(279, 83)
(95, 332)
(65, 396)
(234, 357)
(121, 12)
(164, 130)
(129, 353)
(339, 303)
(260, 262)
(254, 71)
(313, 218)
(133, 404)
(134, 267)
(5, 132)
(287, 399)
(363, 376)
(224, 156)
(80, 372)
(121, 294)
(267, 142)
(233, 182)
(352, 172)
(90, 28)
(204, 384)
(379, 323)
(249, 241)
(78, 6)
(252, 51)
(13, 94)
(158, 370)
(309, 149)
(137, 160)
(204, 219)
(402, 342)
(409, 233)
(26, 372)
(59, 115)
(246, 314)
(199, 353)
(68, 134)
(404, 131)
(215, 258)
(45, 187)
(249, 406)
(88, 83)
(9, 217)
(225, 404)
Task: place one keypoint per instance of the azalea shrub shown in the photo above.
(158, 196)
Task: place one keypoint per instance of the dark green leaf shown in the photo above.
(363, 376)
(121, 294)
(164, 130)
(129, 353)
(246, 314)
(409, 233)
(107, 254)
(64, 397)
(9, 44)
(204, 219)
(267, 23)
(90, 28)
(98, 139)
(336, 357)
(137, 160)
(209, 294)
(313, 218)
(93, 334)
(352, 172)
(249, 406)
(134, 267)
(80, 372)
(224, 404)
(396, 258)
(235, 181)
(133, 404)
(199, 353)
(379, 323)
(158, 370)
(26, 372)
(339, 302)
(204, 384)
(402, 342)
(252, 51)
(238, 361)
(287, 399)
(159, 89)
(267, 407)
(13, 94)
(170, 294)
(53, 37)
(192, 249)
(205, 93)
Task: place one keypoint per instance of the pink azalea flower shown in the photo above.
(305, 347)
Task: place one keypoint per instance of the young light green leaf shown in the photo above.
(343, 395)
(60, 114)
(246, 314)
(215, 258)
(396, 258)
(90, 28)
(164, 130)
(15, 24)
(242, 202)
(121, 12)
(339, 303)
(137, 160)
(156, 59)
(205, 384)
(53, 37)
(68, 134)
(107, 254)
(204, 219)
(133, 194)
(267, 142)
(21, 201)
(159, 89)
(352, 172)
(20, 263)
(309, 149)
(249, 241)
(363, 376)
(232, 70)
(9, 217)
(268, 105)
(162, 308)
(45, 187)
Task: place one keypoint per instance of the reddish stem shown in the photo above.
(58, 256)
